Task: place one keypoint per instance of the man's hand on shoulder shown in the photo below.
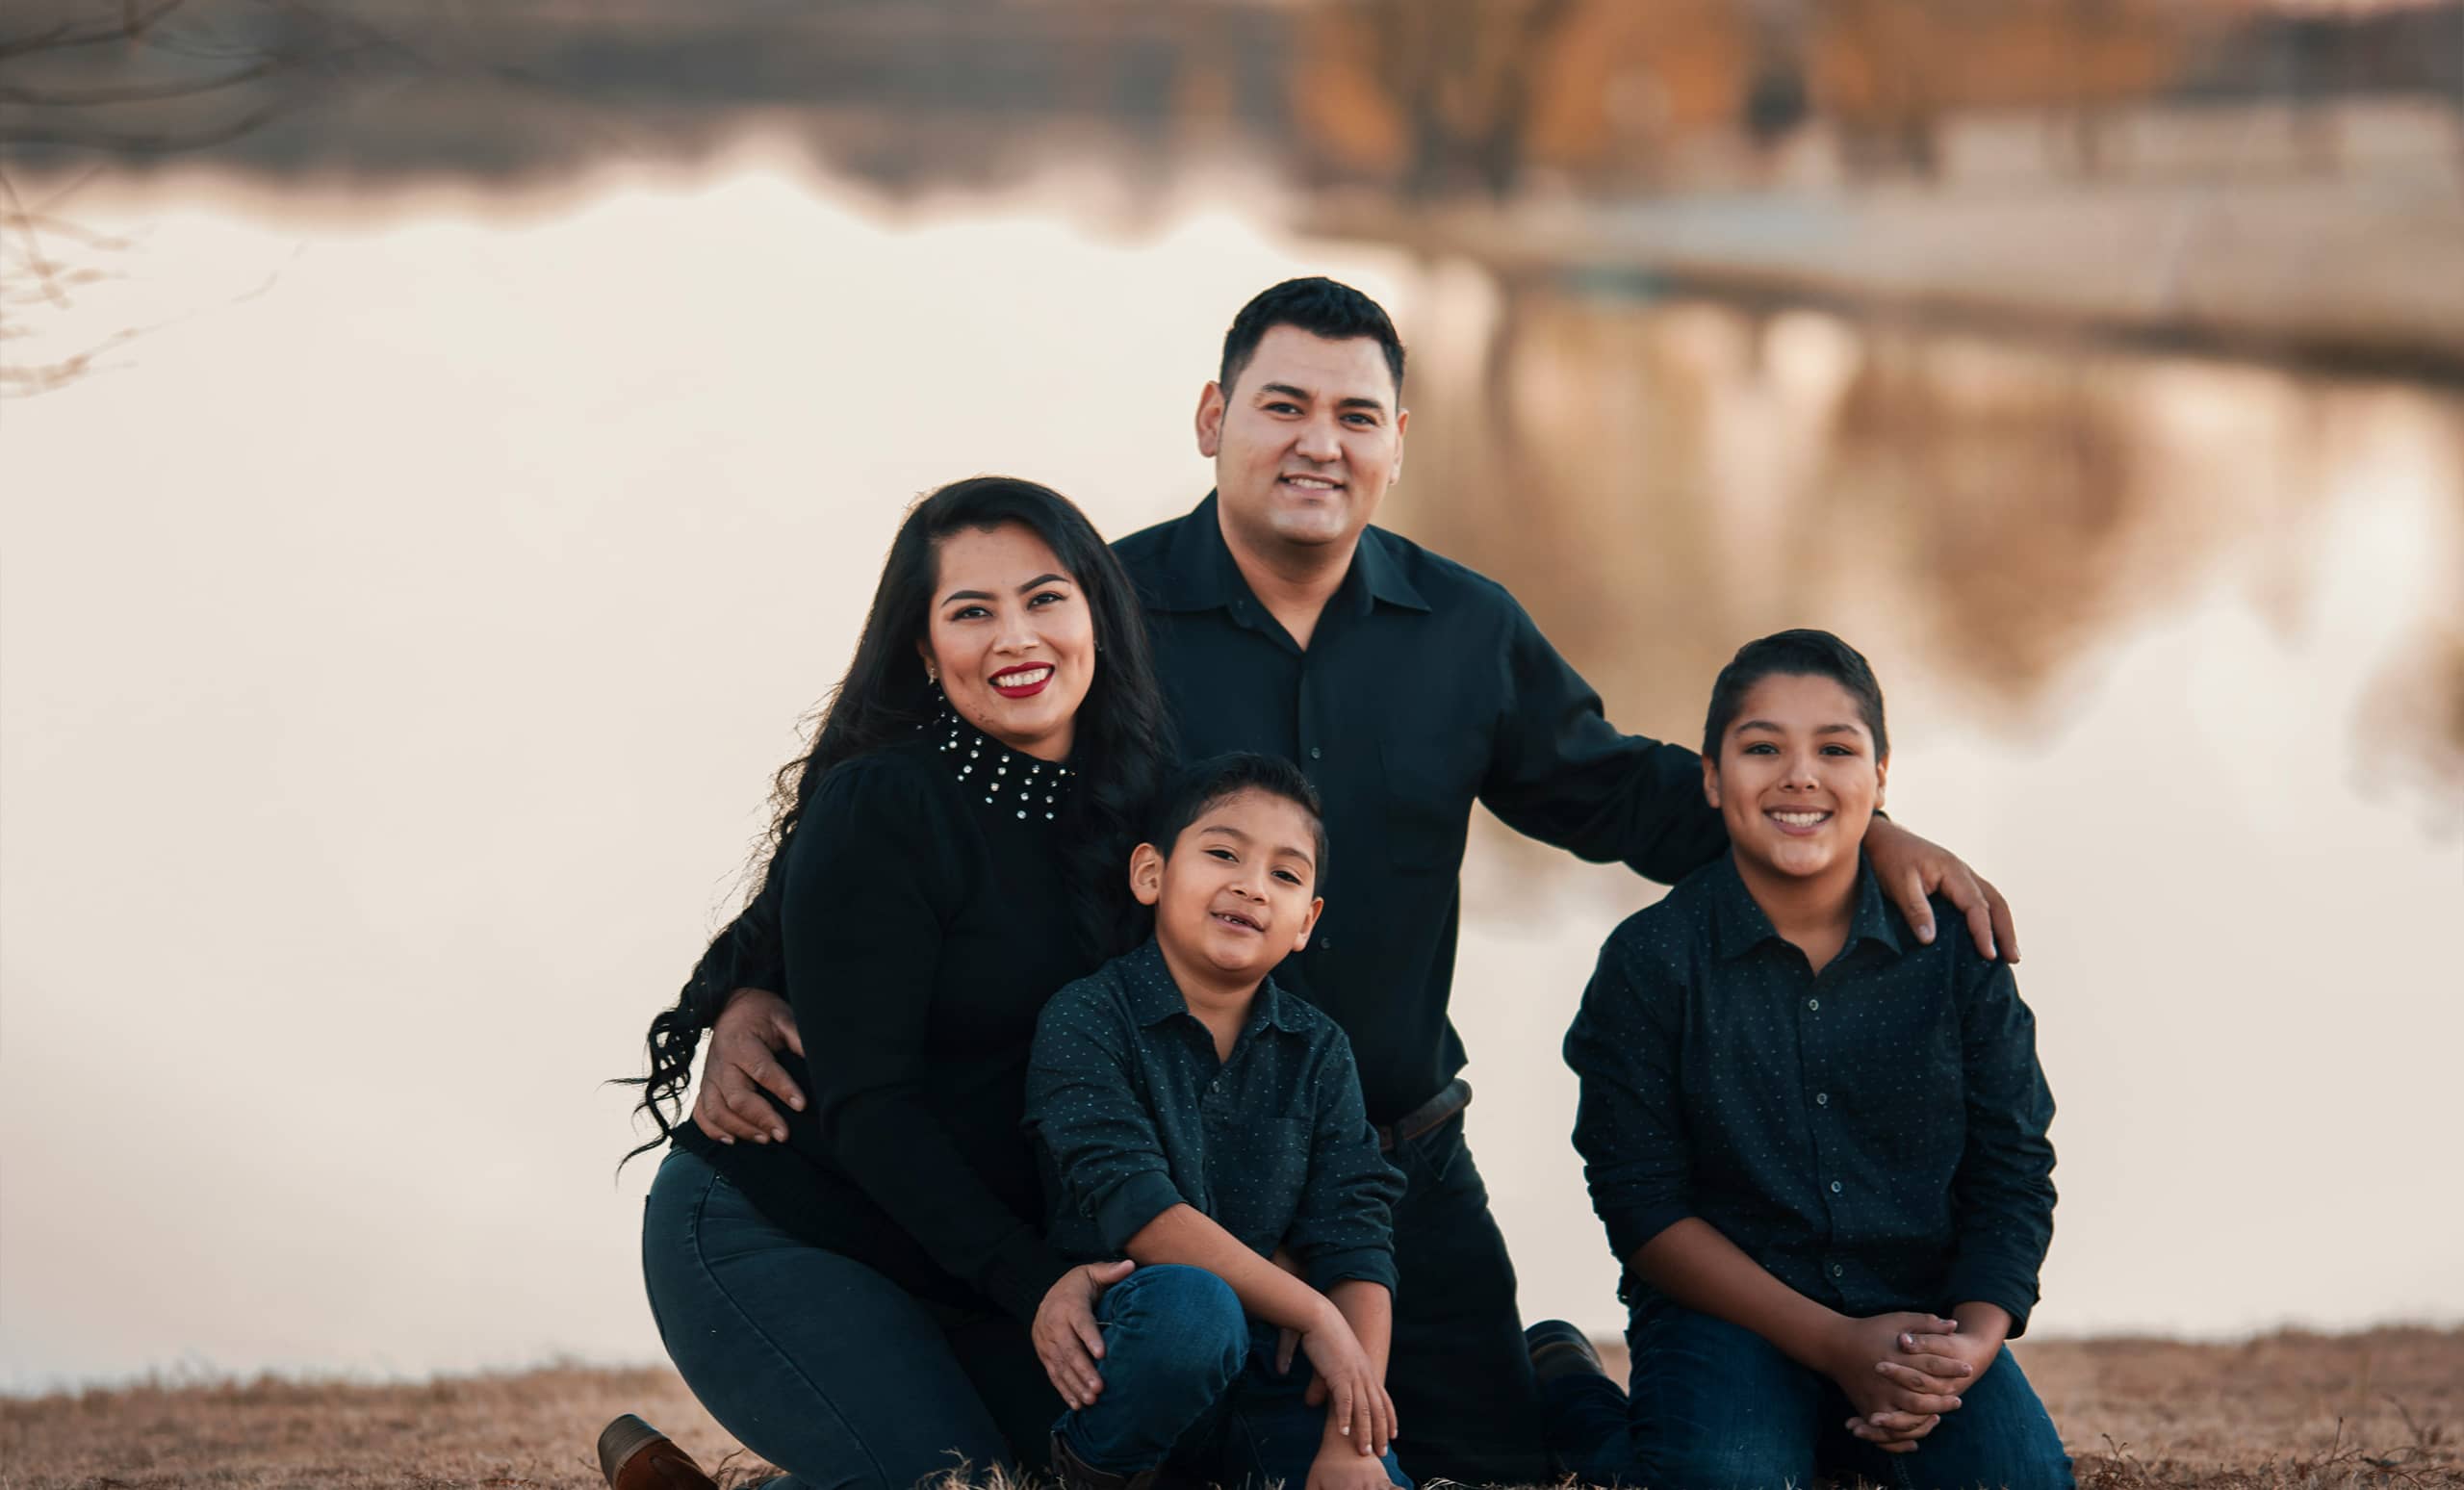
(1910, 869)
(742, 1062)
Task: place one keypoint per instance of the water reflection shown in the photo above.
(432, 644)
(1659, 481)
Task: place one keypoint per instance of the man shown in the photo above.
(1406, 687)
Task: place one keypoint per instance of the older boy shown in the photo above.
(1810, 1137)
(1198, 1120)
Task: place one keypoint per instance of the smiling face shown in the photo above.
(1011, 638)
(1305, 442)
(1238, 893)
(1797, 778)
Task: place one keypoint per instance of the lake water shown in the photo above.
(396, 638)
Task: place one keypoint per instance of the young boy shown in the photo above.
(1200, 1122)
(1811, 1138)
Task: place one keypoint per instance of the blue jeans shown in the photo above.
(1190, 1381)
(820, 1364)
(1717, 1407)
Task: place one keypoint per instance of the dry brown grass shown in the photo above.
(2377, 1411)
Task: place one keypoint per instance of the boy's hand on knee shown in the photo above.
(1359, 1414)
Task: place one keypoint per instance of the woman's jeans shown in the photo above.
(1717, 1407)
(1189, 1381)
(820, 1364)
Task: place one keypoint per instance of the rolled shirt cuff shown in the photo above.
(1629, 1227)
(1369, 1264)
(1132, 1203)
(2013, 1290)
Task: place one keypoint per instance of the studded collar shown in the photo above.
(1009, 783)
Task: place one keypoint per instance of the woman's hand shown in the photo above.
(740, 1065)
(1357, 1406)
(1068, 1340)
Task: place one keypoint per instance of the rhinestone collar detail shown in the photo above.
(1011, 782)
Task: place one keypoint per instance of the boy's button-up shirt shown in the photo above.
(1134, 1114)
(1873, 1135)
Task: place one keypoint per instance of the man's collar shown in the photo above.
(1738, 925)
(1198, 572)
(1147, 980)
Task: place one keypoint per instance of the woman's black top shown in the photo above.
(925, 921)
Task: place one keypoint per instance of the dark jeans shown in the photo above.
(1459, 1373)
(820, 1364)
(1716, 1407)
(1190, 1379)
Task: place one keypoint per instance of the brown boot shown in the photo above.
(634, 1455)
(1076, 1473)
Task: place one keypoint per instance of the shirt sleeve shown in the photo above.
(1345, 1227)
(1562, 773)
(870, 880)
(2002, 1193)
(1628, 1126)
(1085, 1107)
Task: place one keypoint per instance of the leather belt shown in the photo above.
(1454, 1096)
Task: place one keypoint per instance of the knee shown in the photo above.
(1187, 1320)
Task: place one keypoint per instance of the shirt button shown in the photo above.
(1325, 943)
(1835, 1187)
(1822, 1099)
(1314, 752)
(1836, 1269)
(1813, 1003)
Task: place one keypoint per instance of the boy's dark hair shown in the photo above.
(1318, 306)
(1799, 653)
(1201, 785)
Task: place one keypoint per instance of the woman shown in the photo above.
(856, 1304)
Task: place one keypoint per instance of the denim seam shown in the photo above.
(880, 1474)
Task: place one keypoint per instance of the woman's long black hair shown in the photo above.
(1120, 747)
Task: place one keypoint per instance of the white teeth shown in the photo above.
(1311, 482)
(1025, 679)
(1801, 819)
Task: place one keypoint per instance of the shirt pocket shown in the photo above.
(1428, 798)
(1259, 1172)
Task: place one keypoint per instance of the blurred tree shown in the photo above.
(1462, 75)
(86, 83)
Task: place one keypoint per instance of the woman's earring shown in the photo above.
(932, 675)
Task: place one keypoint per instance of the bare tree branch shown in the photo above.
(140, 92)
(133, 24)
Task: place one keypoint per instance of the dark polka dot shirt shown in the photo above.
(1874, 1134)
(1133, 1114)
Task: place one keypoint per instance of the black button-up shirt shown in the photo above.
(1873, 1135)
(1425, 687)
(1134, 1113)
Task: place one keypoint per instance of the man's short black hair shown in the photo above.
(1799, 653)
(1318, 306)
(1201, 785)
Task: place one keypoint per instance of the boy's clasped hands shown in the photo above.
(1903, 1371)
